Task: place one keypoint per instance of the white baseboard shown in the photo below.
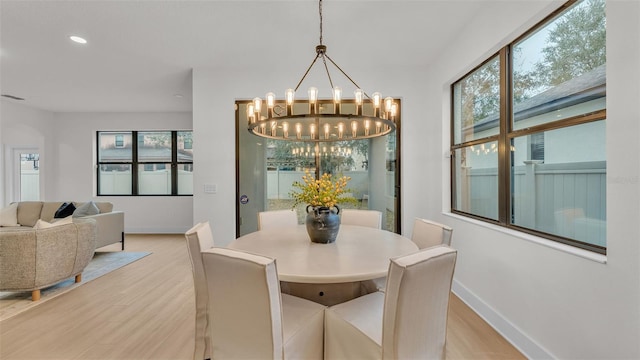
(503, 326)
(154, 230)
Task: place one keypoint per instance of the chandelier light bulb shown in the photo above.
(285, 128)
(313, 100)
(354, 129)
(298, 131)
(327, 130)
(257, 106)
(340, 130)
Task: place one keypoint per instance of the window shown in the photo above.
(528, 131)
(156, 163)
(119, 140)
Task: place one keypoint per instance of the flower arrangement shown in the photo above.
(326, 191)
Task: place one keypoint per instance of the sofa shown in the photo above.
(35, 258)
(109, 223)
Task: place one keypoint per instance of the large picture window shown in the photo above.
(528, 131)
(156, 163)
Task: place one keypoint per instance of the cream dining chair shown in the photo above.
(199, 238)
(368, 218)
(248, 316)
(428, 233)
(407, 321)
(276, 219)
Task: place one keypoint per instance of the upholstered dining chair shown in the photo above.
(427, 233)
(368, 218)
(199, 238)
(277, 218)
(407, 321)
(249, 318)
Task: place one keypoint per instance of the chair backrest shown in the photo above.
(245, 311)
(368, 218)
(416, 304)
(277, 219)
(427, 233)
(199, 238)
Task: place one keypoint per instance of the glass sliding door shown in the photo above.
(266, 169)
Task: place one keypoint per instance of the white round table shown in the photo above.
(328, 274)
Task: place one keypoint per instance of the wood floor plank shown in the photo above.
(146, 310)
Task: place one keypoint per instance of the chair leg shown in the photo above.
(35, 295)
(79, 277)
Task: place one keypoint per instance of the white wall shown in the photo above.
(549, 302)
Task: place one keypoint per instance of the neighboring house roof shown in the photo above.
(586, 87)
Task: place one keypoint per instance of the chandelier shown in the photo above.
(316, 120)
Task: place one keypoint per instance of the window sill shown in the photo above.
(535, 239)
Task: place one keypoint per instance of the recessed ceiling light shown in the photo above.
(78, 39)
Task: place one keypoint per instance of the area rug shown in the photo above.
(13, 303)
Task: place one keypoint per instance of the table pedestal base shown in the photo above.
(328, 294)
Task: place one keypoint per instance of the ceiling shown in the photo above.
(140, 54)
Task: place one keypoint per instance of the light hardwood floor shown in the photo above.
(145, 310)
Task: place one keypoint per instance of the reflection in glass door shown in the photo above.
(266, 168)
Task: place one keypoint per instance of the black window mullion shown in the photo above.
(174, 163)
(134, 165)
(504, 153)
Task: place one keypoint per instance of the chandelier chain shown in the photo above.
(320, 11)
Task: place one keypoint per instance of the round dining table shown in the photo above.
(327, 273)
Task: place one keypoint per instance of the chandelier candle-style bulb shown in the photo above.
(359, 97)
(340, 130)
(327, 131)
(285, 129)
(313, 100)
(312, 130)
(289, 96)
(257, 107)
(394, 112)
(337, 97)
(388, 103)
(250, 113)
(270, 99)
(354, 129)
(378, 126)
(298, 131)
(274, 128)
(376, 99)
(367, 126)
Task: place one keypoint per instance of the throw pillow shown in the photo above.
(41, 224)
(86, 209)
(66, 209)
(9, 215)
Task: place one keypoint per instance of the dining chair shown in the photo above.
(368, 218)
(276, 219)
(407, 321)
(427, 233)
(199, 238)
(249, 318)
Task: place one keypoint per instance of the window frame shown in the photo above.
(135, 162)
(507, 134)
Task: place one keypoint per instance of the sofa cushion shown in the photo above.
(49, 209)
(86, 209)
(66, 209)
(29, 212)
(9, 215)
(41, 224)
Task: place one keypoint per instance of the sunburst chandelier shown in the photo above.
(312, 119)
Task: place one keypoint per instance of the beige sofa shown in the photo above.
(33, 259)
(109, 223)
